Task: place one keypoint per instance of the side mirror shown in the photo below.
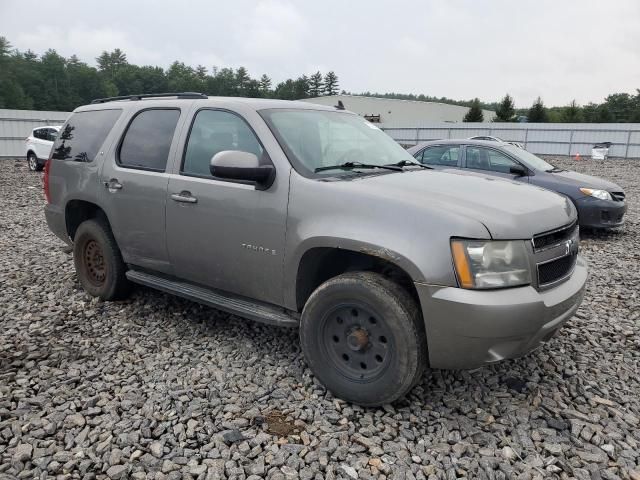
(518, 170)
(242, 167)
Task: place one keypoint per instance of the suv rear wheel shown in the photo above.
(98, 261)
(32, 162)
(363, 338)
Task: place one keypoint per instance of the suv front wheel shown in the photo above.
(363, 338)
(98, 261)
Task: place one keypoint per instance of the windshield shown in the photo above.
(529, 158)
(313, 139)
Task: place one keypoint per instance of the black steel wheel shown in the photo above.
(363, 338)
(98, 261)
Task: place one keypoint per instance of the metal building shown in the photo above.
(16, 125)
(399, 113)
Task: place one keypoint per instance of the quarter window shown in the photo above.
(84, 133)
(215, 131)
(489, 159)
(440, 155)
(148, 139)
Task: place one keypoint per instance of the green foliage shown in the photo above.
(475, 112)
(52, 82)
(572, 113)
(506, 110)
(331, 86)
(537, 113)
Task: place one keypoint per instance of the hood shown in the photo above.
(568, 177)
(508, 209)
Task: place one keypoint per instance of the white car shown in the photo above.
(38, 146)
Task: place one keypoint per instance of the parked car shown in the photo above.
(600, 203)
(306, 216)
(489, 138)
(38, 146)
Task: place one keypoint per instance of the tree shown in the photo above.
(505, 111)
(571, 113)
(475, 112)
(331, 86)
(264, 86)
(537, 112)
(110, 62)
(316, 85)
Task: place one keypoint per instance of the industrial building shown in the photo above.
(399, 113)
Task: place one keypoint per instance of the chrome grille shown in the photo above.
(554, 237)
(555, 253)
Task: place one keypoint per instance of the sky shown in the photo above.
(559, 50)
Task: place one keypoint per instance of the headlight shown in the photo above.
(482, 264)
(601, 194)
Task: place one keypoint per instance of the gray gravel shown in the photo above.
(158, 387)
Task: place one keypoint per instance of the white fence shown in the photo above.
(541, 138)
(16, 125)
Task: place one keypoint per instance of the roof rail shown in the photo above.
(190, 95)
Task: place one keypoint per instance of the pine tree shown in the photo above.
(331, 86)
(572, 113)
(316, 86)
(264, 85)
(475, 112)
(506, 110)
(537, 112)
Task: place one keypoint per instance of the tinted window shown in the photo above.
(441, 155)
(488, 159)
(52, 134)
(38, 133)
(84, 133)
(148, 139)
(214, 131)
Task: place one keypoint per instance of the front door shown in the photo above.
(492, 162)
(134, 184)
(224, 234)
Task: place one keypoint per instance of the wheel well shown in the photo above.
(320, 264)
(77, 211)
(30, 151)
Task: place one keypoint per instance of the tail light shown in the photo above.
(47, 166)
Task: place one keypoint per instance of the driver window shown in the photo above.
(215, 131)
(489, 159)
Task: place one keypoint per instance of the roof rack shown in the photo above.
(185, 95)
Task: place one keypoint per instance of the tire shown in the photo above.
(98, 261)
(32, 162)
(362, 336)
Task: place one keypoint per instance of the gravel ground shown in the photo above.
(159, 387)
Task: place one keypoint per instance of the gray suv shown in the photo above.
(300, 215)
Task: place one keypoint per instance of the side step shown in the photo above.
(258, 311)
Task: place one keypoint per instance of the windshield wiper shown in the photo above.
(408, 163)
(350, 165)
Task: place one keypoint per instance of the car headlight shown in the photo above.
(482, 264)
(601, 194)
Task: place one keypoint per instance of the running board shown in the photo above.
(260, 312)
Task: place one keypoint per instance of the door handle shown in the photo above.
(113, 184)
(184, 197)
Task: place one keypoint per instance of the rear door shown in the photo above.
(492, 161)
(441, 156)
(41, 143)
(134, 183)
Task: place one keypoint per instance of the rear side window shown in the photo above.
(148, 139)
(84, 133)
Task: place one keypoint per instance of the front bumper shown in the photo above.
(596, 213)
(470, 328)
